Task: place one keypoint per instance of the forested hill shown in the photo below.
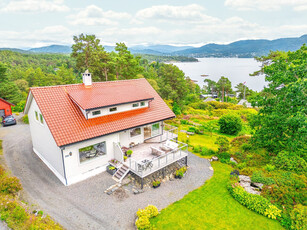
(245, 48)
(242, 48)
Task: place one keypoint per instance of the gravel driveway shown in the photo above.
(85, 205)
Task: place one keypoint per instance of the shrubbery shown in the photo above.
(254, 202)
(290, 162)
(299, 217)
(258, 177)
(223, 144)
(25, 119)
(230, 124)
(144, 215)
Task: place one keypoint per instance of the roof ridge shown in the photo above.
(98, 82)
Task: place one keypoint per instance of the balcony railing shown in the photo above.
(146, 167)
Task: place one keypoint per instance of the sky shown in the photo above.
(36, 23)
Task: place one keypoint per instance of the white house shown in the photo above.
(78, 129)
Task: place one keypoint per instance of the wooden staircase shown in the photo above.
(121, 173)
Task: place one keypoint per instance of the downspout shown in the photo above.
(64, 167)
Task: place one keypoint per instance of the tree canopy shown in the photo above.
(281, 122)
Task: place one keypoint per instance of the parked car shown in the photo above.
(9, 120)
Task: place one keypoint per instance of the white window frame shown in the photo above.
(137, 134)
(135, 105)
(96, 111)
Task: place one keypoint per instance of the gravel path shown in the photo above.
(85, 205)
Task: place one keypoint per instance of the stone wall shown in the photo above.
(165, 174)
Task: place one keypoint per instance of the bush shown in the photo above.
(246, 147)
(207, 152)
(269, 167)
(9, 185)
(25, 119)
(197, 149)
(290, 162)
(258, 177)
(238, 141)
(230, 124)
(223, 144)
(299, 217)
(144, 215)
(254, 202)
(142, 223)
(194, 130)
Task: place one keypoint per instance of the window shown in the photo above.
(135, 105)
(135, 132)
(113, 109)
(92, 152)
(97, 112)
(142, 103)
(36, 115)
(41, 118)
(155, 129)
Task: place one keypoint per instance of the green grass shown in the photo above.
(212, 207)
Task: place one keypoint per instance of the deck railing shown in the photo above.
(144, 168)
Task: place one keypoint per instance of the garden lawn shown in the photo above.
(212, 207)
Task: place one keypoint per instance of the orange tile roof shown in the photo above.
(68, 125)
(101, 94)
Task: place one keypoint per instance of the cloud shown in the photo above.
(301, 8)
(30, 6)
(49, 35)
(189, 13)
(264, 5)
(93, 15)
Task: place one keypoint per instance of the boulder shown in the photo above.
(257, 185)
(233, 160)
(251, 190)
(243, 178)
(214, 158)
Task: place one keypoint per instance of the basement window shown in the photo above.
(113, 109)
(135, 105)
(95, 113)
(92, 152)
(135, 132)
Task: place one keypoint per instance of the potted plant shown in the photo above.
(125, 158)
(129, 153)
(111, 169)
(156, 183)
(180, 172)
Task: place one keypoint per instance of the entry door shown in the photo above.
(147, 131)
(2, 112)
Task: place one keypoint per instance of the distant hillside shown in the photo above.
(242, 48)
(245, 48)
(52, 49)
(16, 50)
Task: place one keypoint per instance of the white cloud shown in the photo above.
(57, 34)
(264, 5)
(301, 8)
(27, 6)
(189, 13)
(93, 15)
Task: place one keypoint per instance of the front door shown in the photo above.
(147, 131)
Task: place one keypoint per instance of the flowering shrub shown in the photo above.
(144, 215)
(254, 202)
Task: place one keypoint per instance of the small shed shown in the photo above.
(5, 108)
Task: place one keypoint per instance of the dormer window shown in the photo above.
(95, 113)
(142, 103)
(135, 105)
(113, 109)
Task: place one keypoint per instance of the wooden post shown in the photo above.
(186, 161)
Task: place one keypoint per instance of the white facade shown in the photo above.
(65, 162)
(119, 108)
(43, 143)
